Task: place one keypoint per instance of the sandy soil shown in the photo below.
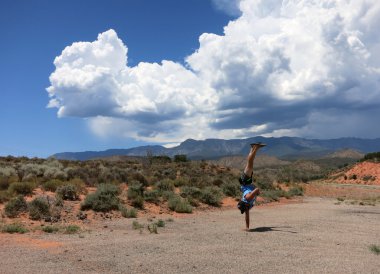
(313, 236)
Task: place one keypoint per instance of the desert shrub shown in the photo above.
(15, 206)
(160, 223)
(135, 189)
(180, 158)
(273, 195)
(375, 249)
(152, 196)
(105, 198)
(14, 228)
(166, 195)
(50, 229)
(79, 184)
(24, 188)
(265, 183)
(191, 191)
(38, 209)
(4, 196)
(152, 228)
(52, 185)
(7, 171)
(137, 225)
(165, 185)
(181, 182)
(353, 177)
(139, 178)
(295, 191)
(67, 192)
(4, 183)
(177, 204)
(135, 194)
(217, 182)
(72, 229)
(230, 189)
(128, 213)
(211, 196)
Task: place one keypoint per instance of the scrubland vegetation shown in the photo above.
(129, 185)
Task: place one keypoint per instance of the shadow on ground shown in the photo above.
(271, 228)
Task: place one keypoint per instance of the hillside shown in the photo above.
(283, 148)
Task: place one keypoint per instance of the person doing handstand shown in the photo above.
(249, 190)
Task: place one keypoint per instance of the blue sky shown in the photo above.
(92, 75)
(35, 32)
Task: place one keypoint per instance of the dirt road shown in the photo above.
(316, 236)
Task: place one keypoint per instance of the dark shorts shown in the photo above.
(245, 179)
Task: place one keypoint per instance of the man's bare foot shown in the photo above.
(258, 145)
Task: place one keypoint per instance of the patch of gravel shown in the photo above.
(316, 236)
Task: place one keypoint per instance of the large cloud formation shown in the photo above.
(293, 67)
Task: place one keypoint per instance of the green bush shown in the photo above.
(165, 185)
(15, 206)
(128, 213)
(273, 195)
(4, 183)
(50, 229)
(191, 191)
(138, 202)
(295, 191)
(180, 182)
(14, 228)
(105, 198)
(375, 249)
(52, 185)
(211, 196)
(180, 158)
(4, 196)
(71, 229)
(177, 204)
(23, 188)
(38, 209)
(160, 223)
(135, 189)
(231, 189)
(152, 196)
(152, 228)
(137, 225)
(68, 192)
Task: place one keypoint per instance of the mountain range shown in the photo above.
(283, 148)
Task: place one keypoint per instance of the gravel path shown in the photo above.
(316, 236)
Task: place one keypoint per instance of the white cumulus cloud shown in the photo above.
(292, 67)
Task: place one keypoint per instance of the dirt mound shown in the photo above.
(365, 173)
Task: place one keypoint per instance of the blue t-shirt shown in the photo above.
(247, 189)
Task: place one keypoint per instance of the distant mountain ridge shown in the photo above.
(282, 147)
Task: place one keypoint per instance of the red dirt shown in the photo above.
(365, 173)
(26, 241)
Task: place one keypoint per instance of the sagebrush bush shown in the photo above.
(273, 195)
(23, 188)
(177, 204)
(4, 183)
(38, 209)
(212, 196)
(135, 194)
(15, 206)
(4, 196)
(295, 191)
(152, 196)
(128, 213)
(52, 185)
(231, 189)
(67, 192)
(14, 228)
(50, 229)
(71, 229)
(165, 185)
(191, 191)
(105, 198)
